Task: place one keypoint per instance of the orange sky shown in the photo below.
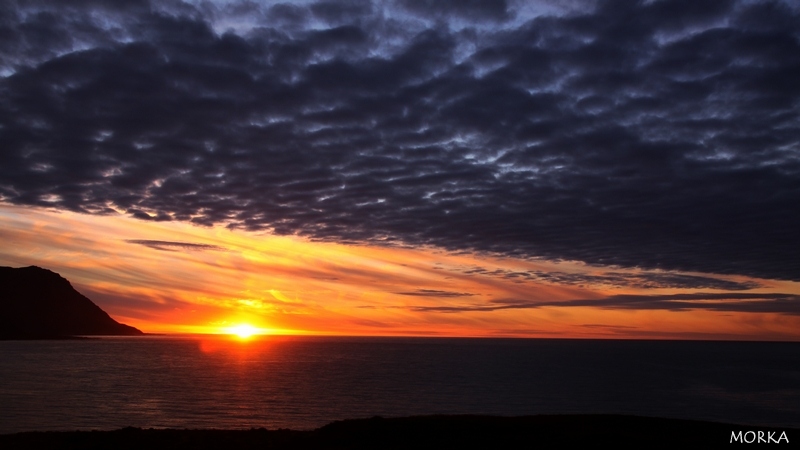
(292, 285)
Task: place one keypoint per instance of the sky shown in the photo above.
(577, 169)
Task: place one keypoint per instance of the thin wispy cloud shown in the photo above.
(787, 304)
(173, 246)
(644, 280)
(435, 293)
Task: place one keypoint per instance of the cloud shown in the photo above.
(607, 327)
(655, 135)
(476, 10)
(171, 246)
(788, 304)
(644, 280)
(435, 293)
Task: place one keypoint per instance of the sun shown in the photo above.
(243, 331)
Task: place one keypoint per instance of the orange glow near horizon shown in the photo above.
(243, 331)
(143, 274)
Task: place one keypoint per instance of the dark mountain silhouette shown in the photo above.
(36, 303)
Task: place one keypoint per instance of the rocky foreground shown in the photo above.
(429, 432)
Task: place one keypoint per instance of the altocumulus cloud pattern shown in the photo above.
(653, 134)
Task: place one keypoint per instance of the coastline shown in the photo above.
(439, 432)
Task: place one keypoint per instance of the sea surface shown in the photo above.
(306, 382)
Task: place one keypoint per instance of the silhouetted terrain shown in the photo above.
(36, 303)
(425, 432)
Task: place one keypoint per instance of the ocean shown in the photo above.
(307, 382)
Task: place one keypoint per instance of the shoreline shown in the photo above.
(438, 431)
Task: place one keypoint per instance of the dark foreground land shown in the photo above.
(425, 432)
(36, 303)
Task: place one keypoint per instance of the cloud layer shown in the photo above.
(660, 135)
(780, 303)
(644, 280)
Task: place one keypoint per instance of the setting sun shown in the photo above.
(243, 331)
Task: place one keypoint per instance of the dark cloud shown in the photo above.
(729, 302)
(476, 10)
(172, 246)
(435, 293)
(645, 280)
(657, 135)
(341, 12)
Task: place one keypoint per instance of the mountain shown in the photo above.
(36, 303)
